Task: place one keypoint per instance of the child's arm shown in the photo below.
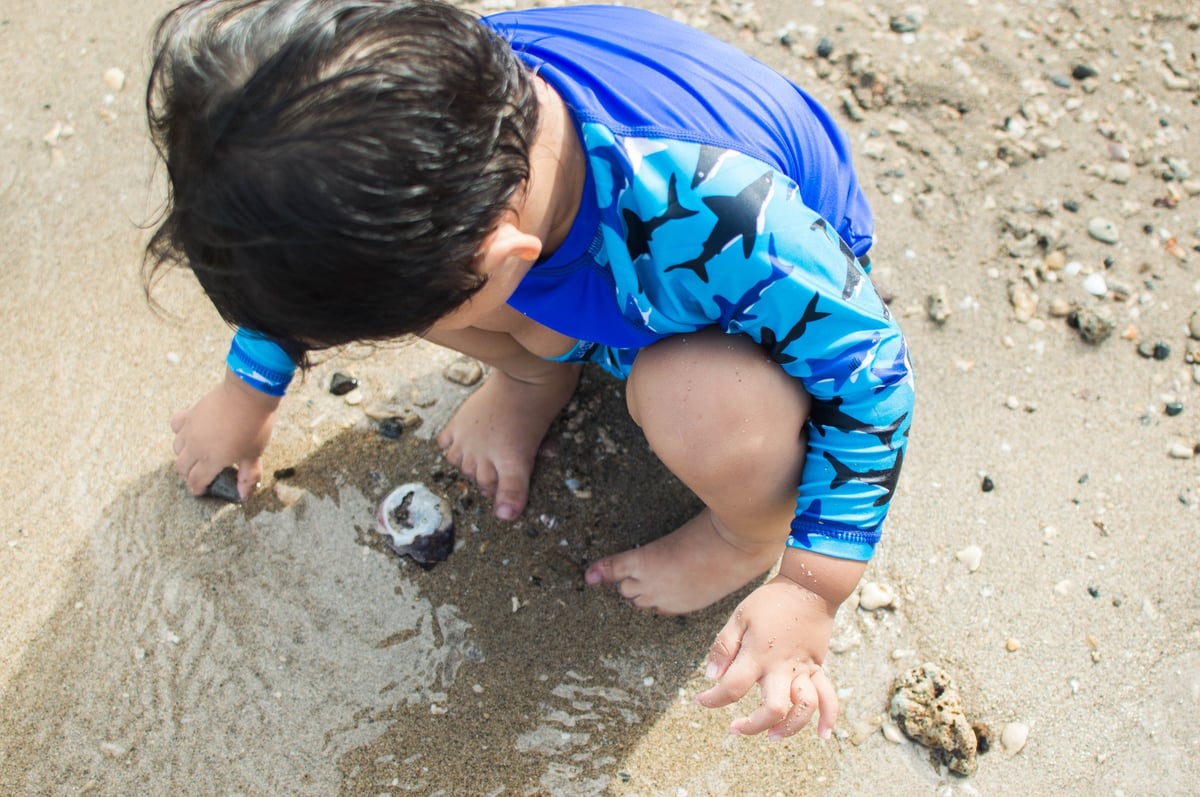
(230, 425)
(778, 637)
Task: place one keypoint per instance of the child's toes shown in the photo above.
(609, 570)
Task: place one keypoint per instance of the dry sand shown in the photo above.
(158, 644)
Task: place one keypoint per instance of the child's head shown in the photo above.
(334, 165)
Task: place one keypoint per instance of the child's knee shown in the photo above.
(711, 394)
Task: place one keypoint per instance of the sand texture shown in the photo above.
(1030, 164)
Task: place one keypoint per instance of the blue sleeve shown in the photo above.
(260, 362)
(742, 251)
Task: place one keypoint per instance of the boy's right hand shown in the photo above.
(229, 426)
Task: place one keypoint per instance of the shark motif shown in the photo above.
(848, 362)
(728, 308)
(885, 478)
(611, 156)
(709, 163)
(894, 373)
(827, 414)
(810, 515)
(776, 346)
(854, 272)
(639, 232)
(737, 217)
(777, 263)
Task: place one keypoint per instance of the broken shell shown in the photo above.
(1014, 736)
(114, 78)
(971, 556)
(417, 523)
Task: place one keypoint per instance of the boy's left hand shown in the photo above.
(777, 637)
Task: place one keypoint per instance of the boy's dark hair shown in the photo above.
(334, 165)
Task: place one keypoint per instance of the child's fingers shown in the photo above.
(736, 682)
(805, 700)
(777, 701)
(827, 701)
(249, 476)
(725, 648)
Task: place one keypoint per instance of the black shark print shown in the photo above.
(776, 345)
(827, 414)
(854, 273)
(737, 217)
(881, 478)
(708, 163)
(639, 233)
(616, 167)
(728, 308)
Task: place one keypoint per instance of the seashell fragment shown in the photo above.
(417, 523)
(971, 556)
(874, 595)
(1014, 736)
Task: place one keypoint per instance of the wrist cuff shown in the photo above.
(260, 362)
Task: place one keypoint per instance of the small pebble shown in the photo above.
(1173, 408)
(874, 595)
(465, 372)
(1014, 736)
(225, 486)
(114, 78)
(1103, 230)
(1194, 325)
(1012, 645)
(1181, 451)
(824, 48)
(987, 485)
(1071, 206)
(908, 22)
(1083, 72)
(1095, 285)
(340, 384)
(1095, 324)
(971, 556)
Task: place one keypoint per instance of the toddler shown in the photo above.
(543, 189)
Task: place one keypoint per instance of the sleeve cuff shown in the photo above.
(260, 362)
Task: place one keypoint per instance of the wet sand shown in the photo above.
(158, 644)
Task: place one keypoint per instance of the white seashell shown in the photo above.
(874, 595)
(1095, 285)
(971, 556)
(891, 731)
(1014, 736)
(114, 78)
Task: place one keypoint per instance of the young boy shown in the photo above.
(540, 189)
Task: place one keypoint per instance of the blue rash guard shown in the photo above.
(720, 194)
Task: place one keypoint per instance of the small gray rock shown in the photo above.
(1104, 230)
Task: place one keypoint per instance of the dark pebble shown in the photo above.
(987, 485)
(1071, 205)
(1116, 602)
(340, 384)
(1156, 350)
(391, 428)
(1094, 592)
(1061, 81)
(1161, 351)
(1084, 478)
(1083, 72)
(284, 473)
(1109, 262)
(224, 486)
(824, 48)
(1173, 408)
(983, 737)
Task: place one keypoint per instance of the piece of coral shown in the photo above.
(925, 703)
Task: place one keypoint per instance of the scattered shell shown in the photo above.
(1023, 300)
(937, 307)
(891, 731)
(1012, 644)
(1104, 230)
(971, 556)
(1194, 325)
(1014, 736)
(874, 595)
(288, 494)
(417, 523)
(1095, 284)
(464, 371)
(114, 78)
(925, 703)
(225, 486)
(1181, 451)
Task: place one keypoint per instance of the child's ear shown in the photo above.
(509, 243)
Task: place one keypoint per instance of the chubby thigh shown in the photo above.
(727, 421)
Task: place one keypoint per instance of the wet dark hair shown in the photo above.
(334, 165)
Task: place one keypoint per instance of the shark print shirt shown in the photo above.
(719, 194)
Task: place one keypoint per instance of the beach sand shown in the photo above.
(154, 643)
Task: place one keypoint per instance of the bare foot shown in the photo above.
(692, 567)
(494, 436)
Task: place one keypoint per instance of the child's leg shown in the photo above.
(493, 438)
(729, 423)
